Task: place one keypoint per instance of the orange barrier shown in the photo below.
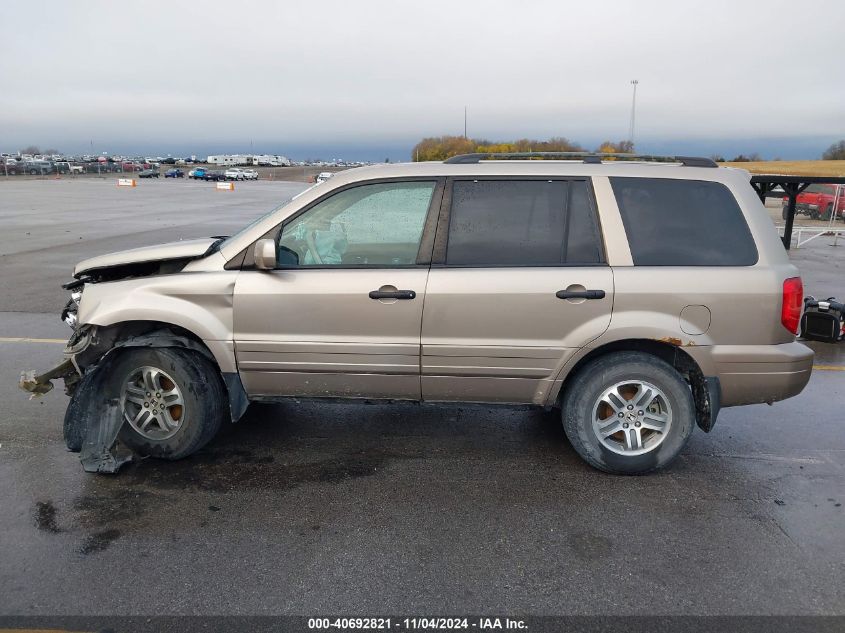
(225, 186)
(126, 182)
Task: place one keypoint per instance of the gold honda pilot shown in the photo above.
(638, 295)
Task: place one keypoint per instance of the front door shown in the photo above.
(341, 314)
(518, 284)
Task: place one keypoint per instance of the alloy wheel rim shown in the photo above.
(152, 403)
(632, 417)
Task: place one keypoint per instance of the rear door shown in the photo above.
(518, 284)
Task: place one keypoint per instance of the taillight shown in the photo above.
(793, 297)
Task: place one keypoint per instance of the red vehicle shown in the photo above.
(818, 202)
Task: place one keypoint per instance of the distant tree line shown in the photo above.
(835, 151)
(741, 158)
(443, 147)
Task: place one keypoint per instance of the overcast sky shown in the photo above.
(370, 78)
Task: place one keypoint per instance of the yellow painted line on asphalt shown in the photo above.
(13, 339)
(829, 367)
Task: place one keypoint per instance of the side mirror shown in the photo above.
(265, 254)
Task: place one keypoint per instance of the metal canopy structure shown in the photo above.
(792, 185)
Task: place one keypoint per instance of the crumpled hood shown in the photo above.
(184, 249)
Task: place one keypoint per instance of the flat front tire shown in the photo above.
(628, 413)
(173, 401)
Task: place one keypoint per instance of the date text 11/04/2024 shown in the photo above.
(423, 623)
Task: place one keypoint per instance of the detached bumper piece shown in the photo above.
(92, 422)
(40, 384)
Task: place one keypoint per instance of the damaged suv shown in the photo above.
(636, 294)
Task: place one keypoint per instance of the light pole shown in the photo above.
(634, 83)
(465, 121)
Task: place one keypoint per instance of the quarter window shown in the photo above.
(376, 225)
(522, 223)
(673, 222)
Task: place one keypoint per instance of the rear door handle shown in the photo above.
(393, 294)
(580, 294)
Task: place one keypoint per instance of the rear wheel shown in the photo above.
(628, 413)
(172, 400)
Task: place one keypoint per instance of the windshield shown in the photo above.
(261, 217)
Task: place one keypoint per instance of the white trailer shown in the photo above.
(222, 159)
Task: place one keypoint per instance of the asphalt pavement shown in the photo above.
(305, 508)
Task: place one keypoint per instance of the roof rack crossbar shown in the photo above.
(587, 157)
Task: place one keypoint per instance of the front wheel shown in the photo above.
(827, 211)
(172, 400)
(628, 413)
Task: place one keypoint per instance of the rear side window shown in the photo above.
(683, 223)
(522, 223)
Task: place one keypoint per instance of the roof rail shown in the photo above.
(586, 157)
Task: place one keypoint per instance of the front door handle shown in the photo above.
(393, 294)
(580, 294)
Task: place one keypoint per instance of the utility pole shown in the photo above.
(465, 122)
(634, 83)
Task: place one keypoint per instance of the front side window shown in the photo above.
(522, 223)
(371, 225)
(675, 222)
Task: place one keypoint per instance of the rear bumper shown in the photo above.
(751, 374)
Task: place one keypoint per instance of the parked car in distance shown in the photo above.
(234, 173)
(131, 166)
(507, 282)
(174, 173)
(323, 176)
(103, 167)
(213, 175)
(149, 173)
(198, 173)
(250, 174)
(65, 167)
(13, 167)
(818, 201)
(38, 167)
